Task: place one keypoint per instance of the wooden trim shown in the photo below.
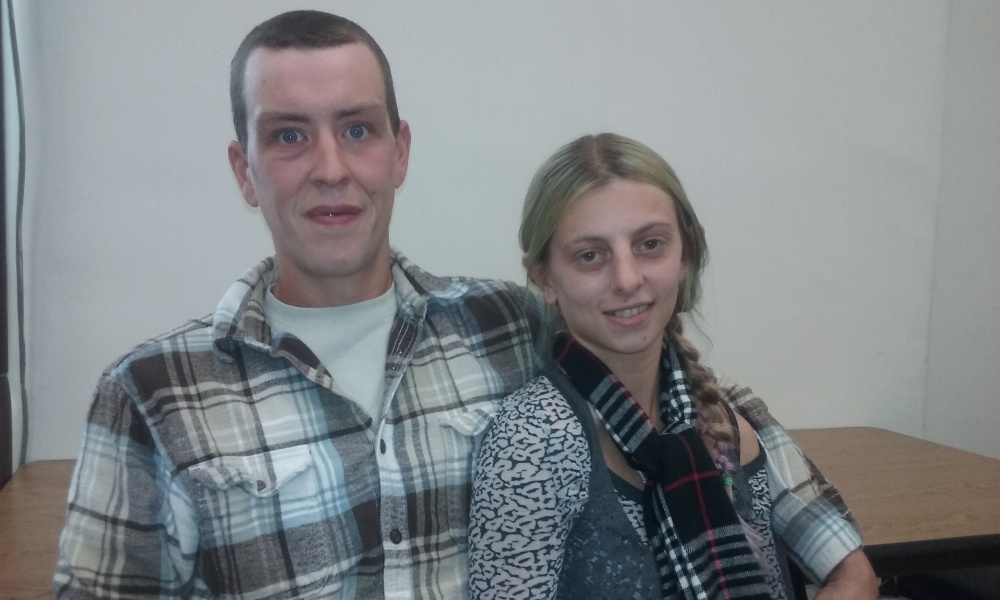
(32, 514)
(6, 434)
(911, 558)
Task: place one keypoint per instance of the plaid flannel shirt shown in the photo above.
(218, 461)
(807, 512)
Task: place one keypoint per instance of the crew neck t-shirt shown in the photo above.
(349, 340)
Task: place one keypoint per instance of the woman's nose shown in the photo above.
(627, 276)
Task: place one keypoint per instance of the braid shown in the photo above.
(713, 419)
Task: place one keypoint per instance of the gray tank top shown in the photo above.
(605, 558)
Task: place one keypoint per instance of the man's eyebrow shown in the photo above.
(361, 109)
(344, 113)
(287, 117)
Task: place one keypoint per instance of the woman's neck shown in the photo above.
(641, 377)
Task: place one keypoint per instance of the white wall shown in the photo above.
(809, 137)
(963, 382)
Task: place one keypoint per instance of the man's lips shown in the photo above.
(337, 214)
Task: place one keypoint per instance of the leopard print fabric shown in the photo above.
(532, 480)
(772, 558)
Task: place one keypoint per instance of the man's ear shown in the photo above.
(241, 169)
(402, 153)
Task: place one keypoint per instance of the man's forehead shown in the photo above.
(282, 69)
(354, 56)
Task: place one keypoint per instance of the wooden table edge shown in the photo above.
(909, 558)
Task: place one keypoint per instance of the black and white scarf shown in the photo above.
(699, 544)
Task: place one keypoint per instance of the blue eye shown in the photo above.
(588, 257)
(289, 136)
(357, 132)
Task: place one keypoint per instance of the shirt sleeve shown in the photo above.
(532, 481)
(807, 512)
(129, 529)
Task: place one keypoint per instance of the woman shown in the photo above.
(621, 472)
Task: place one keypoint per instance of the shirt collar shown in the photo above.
(239, 316)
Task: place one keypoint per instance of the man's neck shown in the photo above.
(339, 291)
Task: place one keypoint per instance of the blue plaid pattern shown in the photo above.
(807, 512)
(218, 460)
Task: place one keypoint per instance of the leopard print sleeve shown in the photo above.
(532, 481)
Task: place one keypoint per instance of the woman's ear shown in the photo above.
(539, 276)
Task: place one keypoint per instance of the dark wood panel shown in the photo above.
(6, 433)
(6, 412)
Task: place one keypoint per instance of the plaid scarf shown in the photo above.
(699, 544)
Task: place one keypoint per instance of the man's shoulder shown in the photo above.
(192, 336)
(235, 311)
(493, 305)
(467, 288)
(451, 291)
(449, 286)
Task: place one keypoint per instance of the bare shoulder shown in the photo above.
(749, 448)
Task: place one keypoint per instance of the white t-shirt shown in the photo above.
(349, 340)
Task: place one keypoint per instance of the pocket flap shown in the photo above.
(472, 422)
(262, 475)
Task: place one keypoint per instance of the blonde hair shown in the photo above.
(589, 163)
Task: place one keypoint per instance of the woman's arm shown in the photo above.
(532, 480)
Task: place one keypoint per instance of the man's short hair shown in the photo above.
(302, 29)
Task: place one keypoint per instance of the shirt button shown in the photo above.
(395, 536)
(261, 485)
(381, 446)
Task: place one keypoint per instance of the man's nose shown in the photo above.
(329, 167)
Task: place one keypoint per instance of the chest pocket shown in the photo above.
(463, 433)
(266, 471)
(255, 510)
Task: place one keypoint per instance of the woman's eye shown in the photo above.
(357, 132)
(588, 256)
(289, 136)
(652, 244)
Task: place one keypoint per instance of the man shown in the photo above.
(315, 435)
